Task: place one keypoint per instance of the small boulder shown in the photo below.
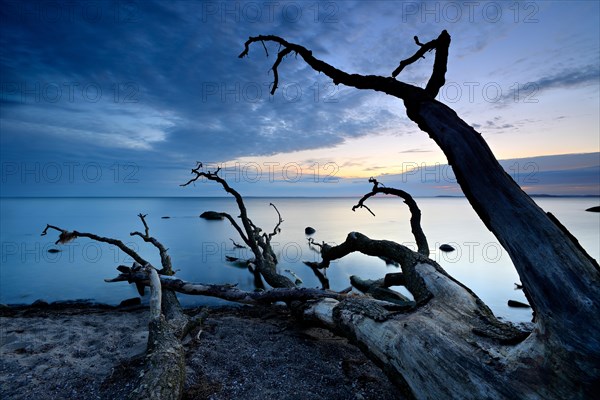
(446, 247)
(309, 230)
(518, 304)
(134, 301)
(40, 304)
(594, 209)
(211, 215)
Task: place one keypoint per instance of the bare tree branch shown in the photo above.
(164, 371)
(280, 57)
(407, 258)
(415, 219)
(213, 176)
(264, 256)
(236, 227)
(155, 293)
(230, 292)
(165, 259)
(237, 245)
(67, 236)
(277, 229)
(387, 85)
(440, 45)
(315, 267)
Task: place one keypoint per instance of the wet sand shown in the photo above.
(237, 353)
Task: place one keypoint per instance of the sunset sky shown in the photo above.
(121, 98)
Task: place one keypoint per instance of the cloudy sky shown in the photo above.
(121, 98)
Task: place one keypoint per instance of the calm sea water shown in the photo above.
(198, 247)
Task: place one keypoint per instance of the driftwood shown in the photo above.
(230, 292)
(259, 242)
(451, 346)
(444, 342)
(163, 373)
(415, 212)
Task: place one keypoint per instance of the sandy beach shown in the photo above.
(87, 352)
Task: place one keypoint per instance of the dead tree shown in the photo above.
(446, 343)
(451, 346)
(259, 242)
(163, 373)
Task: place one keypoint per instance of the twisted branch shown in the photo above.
(265, 257)
(67, 236)
(437, 79)
(213, 176)
(415, 219)
(165, 259)
(357, 242)
(229, 292)
(387, 85)
(277, 229)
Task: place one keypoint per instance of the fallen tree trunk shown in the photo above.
(451, 346)
(561, 281)
(163, 374)
(258, 241)
(229, 292)
(447, 343)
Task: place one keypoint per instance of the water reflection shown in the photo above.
(199, 248)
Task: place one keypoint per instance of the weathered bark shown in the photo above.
(437, 350)
(265, 259)
(450, 342)
(379, 291)
(163, 373)
(446, 343)
(230, 292)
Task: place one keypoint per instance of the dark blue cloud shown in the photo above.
(166, 77)
(159, 84)
(586, 75)
(580, 76)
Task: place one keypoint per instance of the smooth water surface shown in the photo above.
(198, 247)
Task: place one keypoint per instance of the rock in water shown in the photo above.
(446, 248)
(211, 215)
(594, 209)
(515, 303)
(309, 231)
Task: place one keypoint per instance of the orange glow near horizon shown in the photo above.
(375, 155)
(363, 157)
